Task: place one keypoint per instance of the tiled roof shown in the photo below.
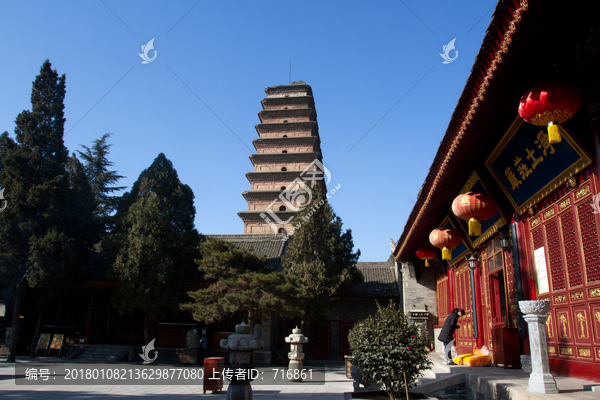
(270, 245)
(380, 281)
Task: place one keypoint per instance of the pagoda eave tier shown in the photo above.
(255, 216)
(306, 126)
(297, 88)
(266, 158)
(286, 142)
(276, 102)
(306, 113)
(268, 195)
(273, 176)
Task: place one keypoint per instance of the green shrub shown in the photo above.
(389, 350)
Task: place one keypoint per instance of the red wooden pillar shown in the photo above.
(479, 306)
(526, 269)
(451, 300)
(593, 99)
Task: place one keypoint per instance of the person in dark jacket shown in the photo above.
(446, 336)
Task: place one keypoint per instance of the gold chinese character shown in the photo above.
(530, 156)
(512, 178)
(524, 171)
(542, 142)
(517, 160)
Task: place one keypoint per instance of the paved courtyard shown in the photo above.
(334, 387)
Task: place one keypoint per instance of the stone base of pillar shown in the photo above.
(239, 390)
(542, 384)
(294, 366)
(526, 362)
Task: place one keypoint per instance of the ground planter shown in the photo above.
(381, 395)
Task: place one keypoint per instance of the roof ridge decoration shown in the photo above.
(499, 41)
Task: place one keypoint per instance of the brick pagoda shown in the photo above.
(288, 143)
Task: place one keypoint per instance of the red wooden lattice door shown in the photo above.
(464, 335)
(565, 236)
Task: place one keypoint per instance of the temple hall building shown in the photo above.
(521, 155)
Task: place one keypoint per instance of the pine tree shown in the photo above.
(154, 243)
(96, 167)
(42, 240)
(321, 257)
(244, 282)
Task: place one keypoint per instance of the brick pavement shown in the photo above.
(493, 382)
(335, 385)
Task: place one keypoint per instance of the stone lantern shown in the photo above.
(296, 340)
(241, 346)
(540, 379)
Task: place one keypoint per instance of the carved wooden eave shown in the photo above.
(488, 75)
(522, 48)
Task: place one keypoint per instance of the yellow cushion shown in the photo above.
(477, 361)
(459, 359)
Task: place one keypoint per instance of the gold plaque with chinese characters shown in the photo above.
(528, 167)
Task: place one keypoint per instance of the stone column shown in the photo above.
(296, 340)
(540, 379)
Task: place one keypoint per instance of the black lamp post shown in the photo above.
(505, 242)
(472, 265)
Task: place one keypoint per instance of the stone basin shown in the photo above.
(540, 307)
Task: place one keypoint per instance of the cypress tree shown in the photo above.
(42, 240)
(320, 255)
(102, 180)
(154, 243)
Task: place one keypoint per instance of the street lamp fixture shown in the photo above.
(505, 242)
(473, 261)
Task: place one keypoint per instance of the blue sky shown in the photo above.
(383, 95)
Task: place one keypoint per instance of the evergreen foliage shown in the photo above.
(389, 350)
(96, 166)
(45, 231)
(244, 282)
(154, 243)
(320, 255)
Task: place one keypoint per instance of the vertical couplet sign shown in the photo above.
(541, 271)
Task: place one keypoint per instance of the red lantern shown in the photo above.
(445, 239)
(473, 207)
(426, 253)
(550, 103)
